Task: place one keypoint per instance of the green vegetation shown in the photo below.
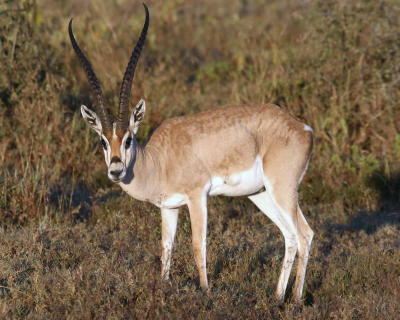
(73, 246)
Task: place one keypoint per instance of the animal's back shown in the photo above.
(219, 142)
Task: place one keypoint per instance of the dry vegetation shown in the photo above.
(73, 246)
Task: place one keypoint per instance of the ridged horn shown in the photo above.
(93, 81)
(125, 94)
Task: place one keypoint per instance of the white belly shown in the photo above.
(174, 201)
(239, 184)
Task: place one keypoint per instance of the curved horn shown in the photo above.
(123, 112)
(94, 83)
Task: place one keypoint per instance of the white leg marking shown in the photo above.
(267, 203)
(169, 219)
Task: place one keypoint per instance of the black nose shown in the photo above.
(116, 173)
(115, 159)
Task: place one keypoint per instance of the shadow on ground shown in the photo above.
(388, 188)
(77, 198)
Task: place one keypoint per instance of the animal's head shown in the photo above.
(117, 137)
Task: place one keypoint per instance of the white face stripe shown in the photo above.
(122, 147)
(126, 156)
(107, 153)
(114, 135)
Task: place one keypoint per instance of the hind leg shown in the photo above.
(283, 168)
(267, 203)
(304, 243)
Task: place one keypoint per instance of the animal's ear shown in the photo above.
(91, 118)
(137, 116)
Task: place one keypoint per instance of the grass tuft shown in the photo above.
(74, 246)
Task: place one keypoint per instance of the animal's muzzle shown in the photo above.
(116, 171)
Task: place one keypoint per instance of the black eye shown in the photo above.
(103, 143)
(128, 142)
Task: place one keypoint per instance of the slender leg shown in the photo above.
(283, 169)
(198, 219)
(305, 239)
(267, 203)
(169, 222)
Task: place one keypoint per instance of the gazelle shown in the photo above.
(257, 151)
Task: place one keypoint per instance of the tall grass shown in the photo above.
(334, 64)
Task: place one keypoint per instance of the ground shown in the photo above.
(74, 246)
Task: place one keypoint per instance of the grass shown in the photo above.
(73, 246)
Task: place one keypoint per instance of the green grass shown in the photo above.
(74, 246)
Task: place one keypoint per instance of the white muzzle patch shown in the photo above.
(116, 171)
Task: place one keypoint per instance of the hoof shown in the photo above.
(280, 299)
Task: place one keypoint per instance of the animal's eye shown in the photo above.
(128, 142)
(103, 143)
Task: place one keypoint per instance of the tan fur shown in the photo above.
(215, 143)
(115, 144)
(184, 153)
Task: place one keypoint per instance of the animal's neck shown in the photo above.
(142, 180)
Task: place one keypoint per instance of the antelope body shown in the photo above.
(257, 151)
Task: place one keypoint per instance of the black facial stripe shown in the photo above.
(128, 142)
(103, 143)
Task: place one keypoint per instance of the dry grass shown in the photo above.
(73, 246)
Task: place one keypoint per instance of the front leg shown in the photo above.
(198, 219)
(169, 220)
